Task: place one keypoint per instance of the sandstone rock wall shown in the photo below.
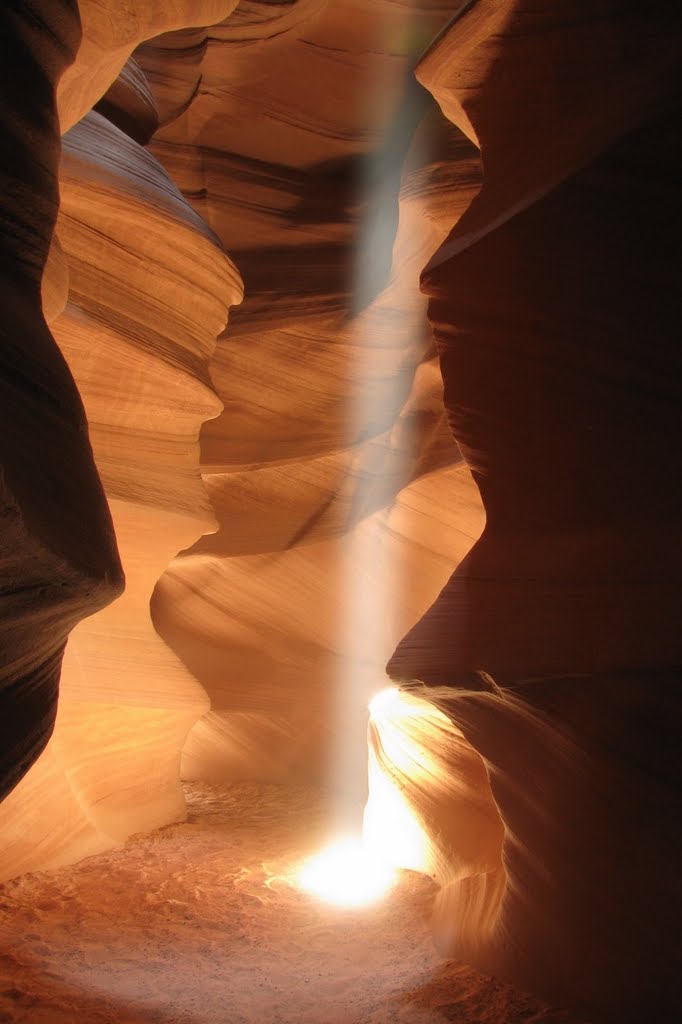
(331, 469)
(148, 290)
(58, 558)
(540, 210)
(555, 318)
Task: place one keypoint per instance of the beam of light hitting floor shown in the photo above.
(388, 332)
(356, 871)
(347, 874)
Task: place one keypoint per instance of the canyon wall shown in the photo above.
(58, 558)
(331, 470)
(555, 645)
(137, 289)
(322, 472)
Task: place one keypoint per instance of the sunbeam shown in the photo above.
(347, 873)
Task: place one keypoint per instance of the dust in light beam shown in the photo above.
(389, 341)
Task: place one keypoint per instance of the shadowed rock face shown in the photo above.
(148, 286)
(555, 318)
(58, 559)
(460, 327)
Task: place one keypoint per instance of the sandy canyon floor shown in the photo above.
(198, 924)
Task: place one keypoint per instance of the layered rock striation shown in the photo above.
(483, 467)
(331, 469)
(148, 290)
(58, 559)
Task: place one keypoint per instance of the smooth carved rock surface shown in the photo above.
(109, 36)
(128, 103)
(555, 318)
(332, 462)
(56, 564)
(545, 236)
(138, 342)
(177, 63)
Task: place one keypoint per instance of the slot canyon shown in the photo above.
(340, 512)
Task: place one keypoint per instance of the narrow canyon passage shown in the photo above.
(200, 923)
(340, 369)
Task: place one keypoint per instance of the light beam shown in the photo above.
(347, 873)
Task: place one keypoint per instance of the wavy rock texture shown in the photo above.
(109, 36)
(58, 559)
(176, 62)
(149, 286)
(331, 471)
(341, 503)
(555, 315)
(129, 104)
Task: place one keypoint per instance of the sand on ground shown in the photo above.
(200, 923)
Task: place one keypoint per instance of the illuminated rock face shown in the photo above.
(108, 39)
(148, 291)
(335, 501)
(350, 442)
(331, 470)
